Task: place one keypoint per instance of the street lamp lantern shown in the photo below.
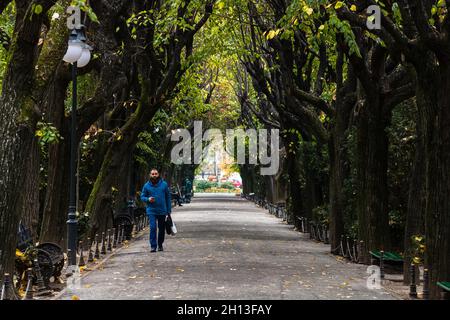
(75, 48)
(78, 54)
(85, 57)
(78, 51)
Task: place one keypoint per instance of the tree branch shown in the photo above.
(314, 101)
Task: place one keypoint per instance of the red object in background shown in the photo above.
(237, 184)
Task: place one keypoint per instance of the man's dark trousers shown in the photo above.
(161, 221)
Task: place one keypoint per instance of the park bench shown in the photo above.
(50, 258)
(385, 256)
(445, 286)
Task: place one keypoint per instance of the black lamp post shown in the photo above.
(79, 55)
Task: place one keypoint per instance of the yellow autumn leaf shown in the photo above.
(321, 27)
(353, 8)
(21, 293)
(309, 11)
(19, 254)
(271, 34)
(338, 5)
(74, 297)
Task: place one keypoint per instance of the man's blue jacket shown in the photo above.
(160, 191)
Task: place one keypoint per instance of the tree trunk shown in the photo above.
(30, 194)
(416, 201)
(247, 179)
(54, 218)
(17, 127)
(338, 173)
(372, 157)
(295, 202)
(310, 195)
(434, 108)
(56, 203)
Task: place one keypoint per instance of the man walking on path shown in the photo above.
(156, 195)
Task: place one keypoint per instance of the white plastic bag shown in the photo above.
(174, 228)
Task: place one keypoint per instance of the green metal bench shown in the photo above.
(445, 286)
(385, 256)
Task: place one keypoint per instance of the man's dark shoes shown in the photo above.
(153, 250)
(161, 248)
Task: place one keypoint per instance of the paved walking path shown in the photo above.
(227, 248)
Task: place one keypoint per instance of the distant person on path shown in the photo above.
(176, 195)
(156, 195)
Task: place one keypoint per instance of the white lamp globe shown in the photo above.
(85, 58)
(73, 52)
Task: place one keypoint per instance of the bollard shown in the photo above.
(42, 289)
(382, 264)
(349, 251)
(122, 233)
(344, 247)
(362, 253)
(29, 291)
(426, 285)
(103, 251)
(355, 251)
(109, 241)
(91, 254)
(341, 246)
(412, 286)
(122, 236)
(8, 292)
(81, 262)
(97, 251)
(134, 230)
(114, 238)
(119, 236)
(326, 238)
